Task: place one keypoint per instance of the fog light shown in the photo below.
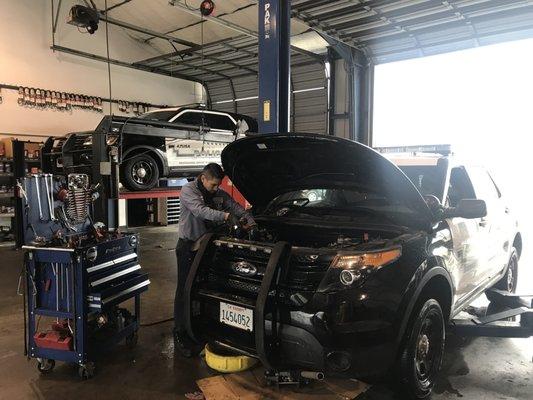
(347, 276)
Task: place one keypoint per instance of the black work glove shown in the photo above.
(233, 221)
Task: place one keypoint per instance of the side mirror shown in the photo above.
(467, 208)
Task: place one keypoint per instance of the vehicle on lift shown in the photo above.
(146, 157)
(357, 264)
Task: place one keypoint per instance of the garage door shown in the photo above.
(309, 101)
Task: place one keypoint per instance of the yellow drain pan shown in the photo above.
(223, 360)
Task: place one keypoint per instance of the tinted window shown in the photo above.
(483, 184)
(217, 121)
(428, 179)
(190, 118)
(460, 186)
(163, 115)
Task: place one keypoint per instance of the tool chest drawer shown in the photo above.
(118, 291)
(112, 274)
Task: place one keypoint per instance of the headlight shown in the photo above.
(353, 269)
(370, 260)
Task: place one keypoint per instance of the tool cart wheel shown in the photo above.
(131, 340)
(45, 365)
(86, 371)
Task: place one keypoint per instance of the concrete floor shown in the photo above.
(473, 369)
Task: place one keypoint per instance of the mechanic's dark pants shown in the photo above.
(184, 256)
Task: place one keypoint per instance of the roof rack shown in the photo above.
(442, 149)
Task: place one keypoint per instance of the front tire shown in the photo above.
(510, 280)
(140, 172)
(422, 351)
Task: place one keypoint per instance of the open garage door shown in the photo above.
(478, 100)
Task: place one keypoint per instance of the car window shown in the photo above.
(460, 187)
(483, 184)
(428, 179)
(191, 118)
(217, 121)
(163, 115)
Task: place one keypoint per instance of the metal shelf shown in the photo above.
(151, 194)
(6, 174)
(7, 215)
(7, 195)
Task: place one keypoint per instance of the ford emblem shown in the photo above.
(244, 268)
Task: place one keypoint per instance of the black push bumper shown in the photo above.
(280, 339)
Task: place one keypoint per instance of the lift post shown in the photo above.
(274, 65)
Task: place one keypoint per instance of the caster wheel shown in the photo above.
(86, 371)
(45, 365)
(131, 340)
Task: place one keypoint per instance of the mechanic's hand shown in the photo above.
(233, 221)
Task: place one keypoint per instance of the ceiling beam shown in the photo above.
(146, 31)
(115, 6)
(238, 28)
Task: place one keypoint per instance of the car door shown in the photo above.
(185, 155)
(494, 226)
(220, 123)
(467, 241)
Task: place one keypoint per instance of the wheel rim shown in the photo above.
(511, 275)
(428, 350)
(142, 172)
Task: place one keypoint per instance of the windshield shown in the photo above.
(428, 179)
(346, 203)
(163, 115)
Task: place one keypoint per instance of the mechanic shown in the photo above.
(203, 206)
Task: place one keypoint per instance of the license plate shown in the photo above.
(239, 317)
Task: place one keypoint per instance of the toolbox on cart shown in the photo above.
(78, 278)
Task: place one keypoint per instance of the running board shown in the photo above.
(497, 324)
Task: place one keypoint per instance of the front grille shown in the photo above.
(229, 283)
(306, 267)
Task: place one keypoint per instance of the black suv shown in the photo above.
(353, 271)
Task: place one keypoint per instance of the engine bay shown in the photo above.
(311, 236)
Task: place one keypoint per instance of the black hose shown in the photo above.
(158, 322)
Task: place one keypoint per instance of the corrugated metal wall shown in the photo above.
(309, 108)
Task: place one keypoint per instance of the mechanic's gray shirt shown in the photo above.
(194, 213)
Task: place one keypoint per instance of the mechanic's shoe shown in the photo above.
(184, 345)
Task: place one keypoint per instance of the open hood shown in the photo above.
(265, 166)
